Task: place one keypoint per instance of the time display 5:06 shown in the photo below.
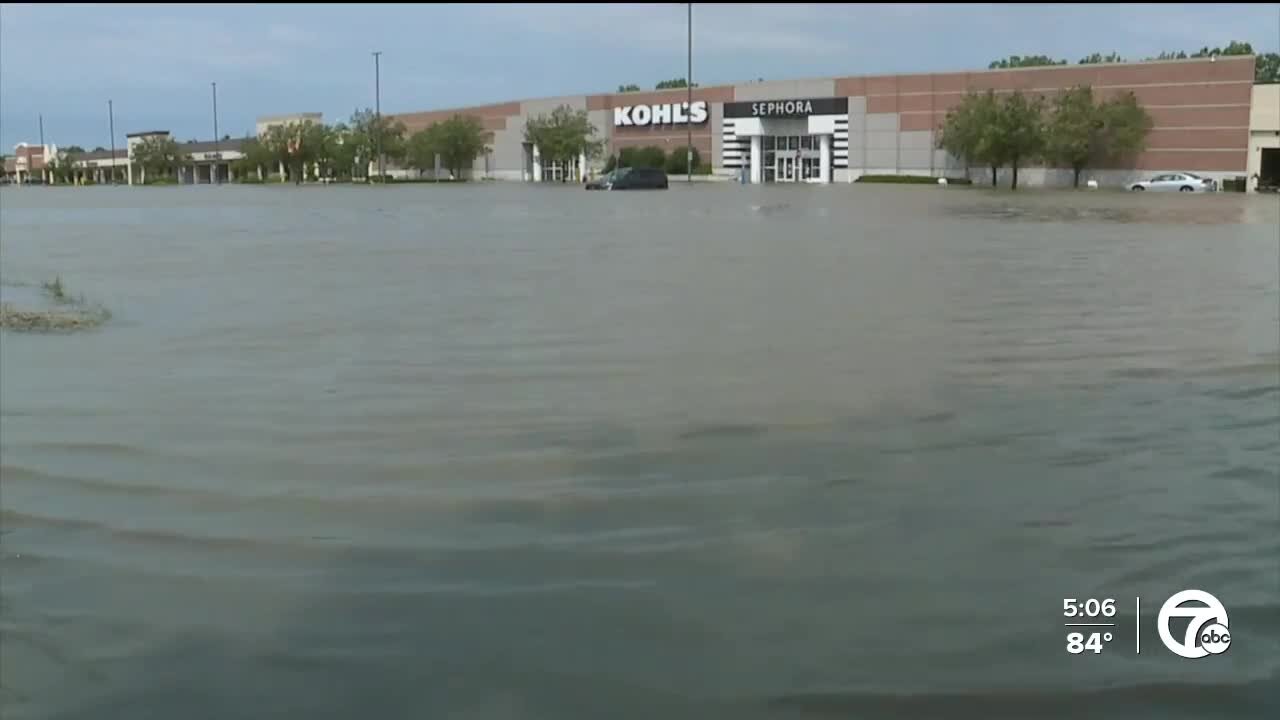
(1092, 607)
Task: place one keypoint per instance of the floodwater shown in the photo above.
(515, 452)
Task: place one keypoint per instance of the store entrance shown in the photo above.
(785, 168)
(792, 158)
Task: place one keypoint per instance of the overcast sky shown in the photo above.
(156, 62)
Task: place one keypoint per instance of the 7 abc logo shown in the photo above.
(1208, 630)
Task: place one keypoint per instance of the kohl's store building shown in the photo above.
(837, 129)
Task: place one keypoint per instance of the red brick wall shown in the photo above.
(1199, 108)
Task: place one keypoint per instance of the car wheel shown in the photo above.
(1138, 188)
(1186, 188)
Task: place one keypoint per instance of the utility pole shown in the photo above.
(44, 157)
(217, 151)
(377, 109)
(111, 115)
(688, 119)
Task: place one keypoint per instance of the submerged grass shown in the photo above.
(74, 313)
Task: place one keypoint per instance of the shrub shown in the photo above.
(911, 180)
(644, 157)
(676, 161)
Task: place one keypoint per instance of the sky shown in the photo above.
(157, 62)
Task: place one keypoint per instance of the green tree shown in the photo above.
(672, 84)
(367, 128)
(678, 158)
(1123, 132)
(255, 157)
(563, 135)
(1073, 134)
(1168, 55)
(969, 132)
(1099, 58)
(630, 87)
(298, 146)
(343, 151)
(159, 155)
(1267, 69)
(99, 149)
(1019, 61)
(420, 150)
(459, 140)
(63, 164)
(1020, 130)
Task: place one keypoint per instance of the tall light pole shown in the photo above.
(44, 157)
(111, 116)
(688, 81)
(217, 154)
(377, 107)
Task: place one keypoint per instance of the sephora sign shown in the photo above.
(663, 114)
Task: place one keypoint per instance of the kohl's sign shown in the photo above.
(663, 114)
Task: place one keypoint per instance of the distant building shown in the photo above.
(266, 122)
(1264, 138)
(837, 129)
(30, 163)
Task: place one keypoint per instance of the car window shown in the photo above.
(1193, 176)
(1162, 178)
(1176, 178)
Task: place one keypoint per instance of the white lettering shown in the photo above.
(808, 107)
(662, 114)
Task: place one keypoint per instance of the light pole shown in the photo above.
(217, 154)
(44, 157)
(111, 117)
(688, 120)
(377, 107)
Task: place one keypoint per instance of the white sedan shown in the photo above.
(1176, 182)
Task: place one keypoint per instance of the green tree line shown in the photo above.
(1266, 69)
(345, 151)
(1074, 131)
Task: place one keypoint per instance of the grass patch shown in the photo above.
(79, 318)
(73, 313)
(911, 180)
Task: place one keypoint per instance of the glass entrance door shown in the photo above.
(786, 168)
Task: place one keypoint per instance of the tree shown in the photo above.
(459, 141)
(1099, 58)
(1020, 127)
(1170, 56)
(631, 87)
(63, 165)
(563, 135)
(1267, 69)
(366, 130)
(158, 155)
(254, 157)
(1124, 128)
(677, 160)
(342, 149)
(1018, 61)
(672, 84)
(1073, 134)
(99, 149)
(969, 132)
(1233, 48)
